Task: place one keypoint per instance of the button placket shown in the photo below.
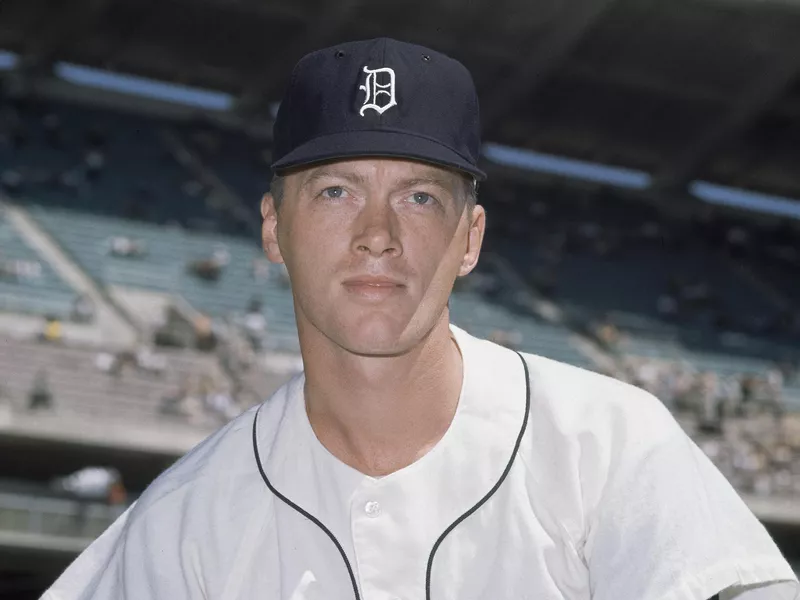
(369, 511)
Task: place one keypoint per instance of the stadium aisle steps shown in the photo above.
(113, 328)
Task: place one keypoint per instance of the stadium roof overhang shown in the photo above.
(682, 90)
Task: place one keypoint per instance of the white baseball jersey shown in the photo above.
(564, 485)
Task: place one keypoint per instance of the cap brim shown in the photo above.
(390, 144)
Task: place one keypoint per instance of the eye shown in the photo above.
(334, 192)
(421, 198)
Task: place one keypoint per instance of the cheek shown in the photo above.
(309, 249)
(441, 260)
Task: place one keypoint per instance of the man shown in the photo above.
(40, 395)
(411, 460)
(91, 485)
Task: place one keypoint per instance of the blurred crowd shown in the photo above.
(201, 399)
(605, 228)
(75, 155)
(757, 457)
(23, 125)
(709, 395)
(739, 420)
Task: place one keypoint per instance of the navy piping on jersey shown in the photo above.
(445, 533)
(305, 513)
(491, 492)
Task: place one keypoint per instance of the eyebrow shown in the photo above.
(353, 178)
(356, 179)
(441, 182)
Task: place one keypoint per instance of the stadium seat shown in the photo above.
(164, 267)
(36, 288)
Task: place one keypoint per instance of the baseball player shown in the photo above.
(411, 460)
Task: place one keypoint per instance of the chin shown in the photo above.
(380, 335)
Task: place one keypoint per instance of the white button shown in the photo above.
(373, 509)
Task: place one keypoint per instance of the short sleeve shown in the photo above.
(130, 561)
(95, 568)
(669, 526)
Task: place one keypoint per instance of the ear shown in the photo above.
(269, 229)
(477, 227)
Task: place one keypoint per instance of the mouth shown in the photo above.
(373, 288)
(369, 280)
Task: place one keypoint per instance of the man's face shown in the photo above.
(372, 248)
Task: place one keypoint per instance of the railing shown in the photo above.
(54, 516)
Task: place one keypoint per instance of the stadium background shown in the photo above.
(643, 222)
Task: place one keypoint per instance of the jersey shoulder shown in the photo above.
(215, 467)
(584, 431)
(578, 400)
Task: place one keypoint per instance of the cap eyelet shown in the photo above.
(426, 58)
(339, 54)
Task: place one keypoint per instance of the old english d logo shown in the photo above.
(379, 90)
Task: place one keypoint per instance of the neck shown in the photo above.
(380, 414)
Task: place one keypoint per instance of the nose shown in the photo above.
(377, 232)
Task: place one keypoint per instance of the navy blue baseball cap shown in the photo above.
(380, 98)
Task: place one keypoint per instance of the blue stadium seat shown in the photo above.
(164, 267)
(483, 318)
(43, 294)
